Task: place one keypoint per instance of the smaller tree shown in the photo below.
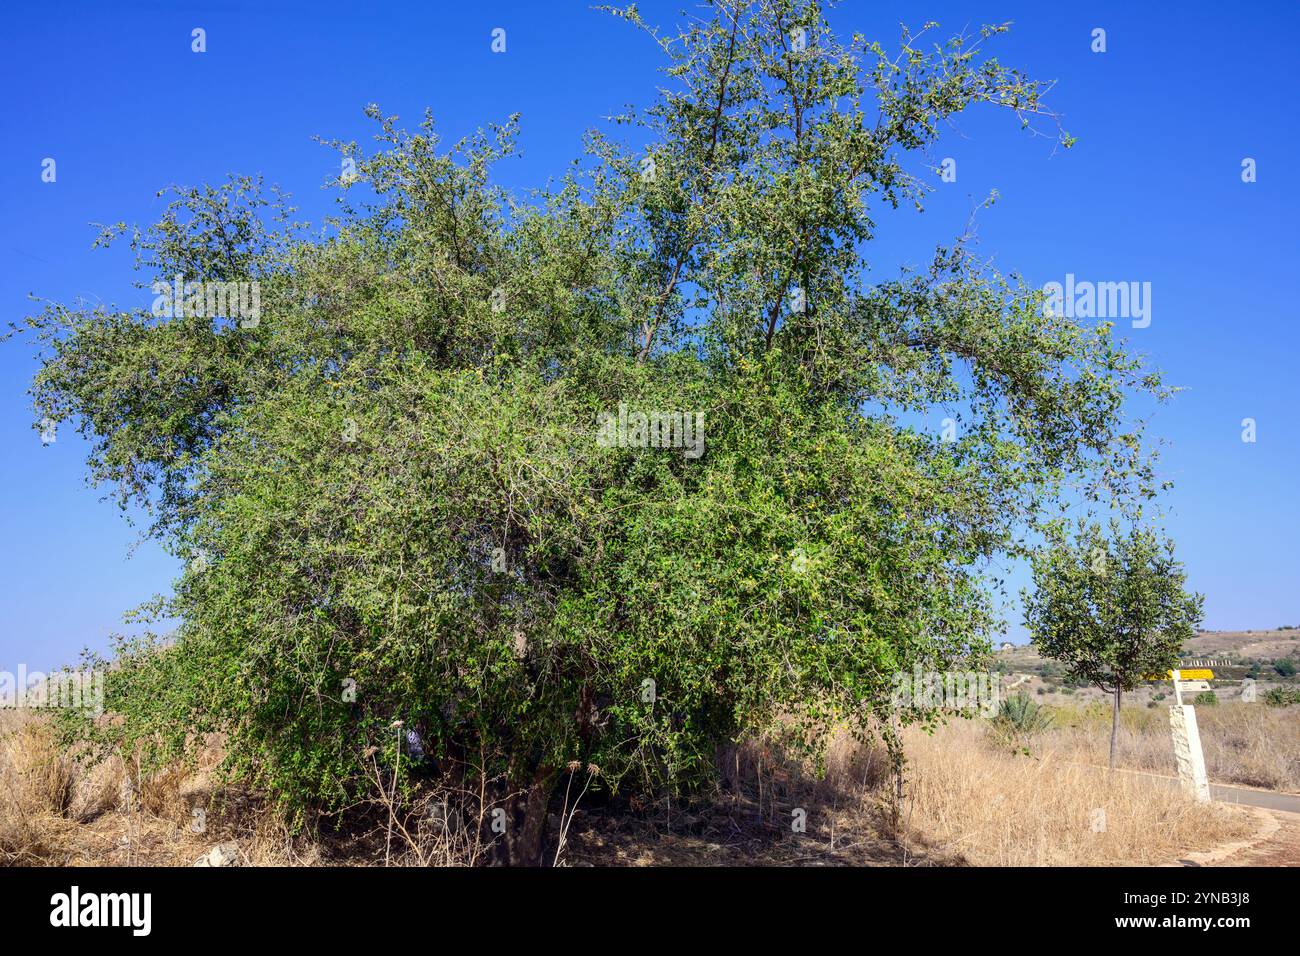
(1112, 610)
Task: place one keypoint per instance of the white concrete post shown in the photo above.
(1187, 751)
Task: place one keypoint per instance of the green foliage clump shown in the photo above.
(1022, 715)
(389, 494)
(1281, 697)
(1019, 719)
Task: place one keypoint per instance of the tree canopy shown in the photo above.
(389, 492)
(1114, 610)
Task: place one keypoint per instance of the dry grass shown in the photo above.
(1249, 744)
(968, 796)
(967, 800)
(36, 783)
(57, 810)
(42, 775)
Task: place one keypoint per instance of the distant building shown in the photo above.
(1006, 646)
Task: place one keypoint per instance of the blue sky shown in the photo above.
(1152, 192)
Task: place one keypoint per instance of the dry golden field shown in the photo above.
(968, 799)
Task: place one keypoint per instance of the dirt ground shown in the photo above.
(739, 836)
(1276, 842)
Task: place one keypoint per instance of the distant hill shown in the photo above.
(1238, 646)
(1233, 655)
(1246, 645)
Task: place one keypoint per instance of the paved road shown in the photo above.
(1225, 793)
(1268, 799)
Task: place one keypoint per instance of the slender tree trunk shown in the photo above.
(1114, 727)
(897, 759)
(525, 844)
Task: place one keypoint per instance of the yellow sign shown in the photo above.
(1203, 673)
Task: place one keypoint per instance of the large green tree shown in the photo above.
(390, 493)
(1114, 610)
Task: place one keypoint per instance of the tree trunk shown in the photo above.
(897, 759)
(525, 844)
(1114, 727)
